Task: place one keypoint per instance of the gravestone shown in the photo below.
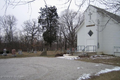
(35, 51)
(73, 51)
(13, 52)
(68, 51)
(20, 51)
(4, 52)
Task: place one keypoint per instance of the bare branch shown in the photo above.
(113, 5)
(69, 21)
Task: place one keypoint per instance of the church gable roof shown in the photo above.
(114, 16)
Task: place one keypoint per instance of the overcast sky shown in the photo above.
(30, 11)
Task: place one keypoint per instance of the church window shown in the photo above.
(90, 33)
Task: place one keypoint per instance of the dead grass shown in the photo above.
(26, 54)
(115, 75)
(53, 52)
(111, 61)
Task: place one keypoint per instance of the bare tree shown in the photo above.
(113, 5)
(31, 30)
(8, 24)
(0, 34)
(110, 4)
(69, 21)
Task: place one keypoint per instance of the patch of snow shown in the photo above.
(77, 57)
(97, 65)
(108, 70)
(87, 76)
(78, 67)
(61, 57)
(69, 57)
(84, 76)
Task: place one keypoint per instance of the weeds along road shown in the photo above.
(42, 68)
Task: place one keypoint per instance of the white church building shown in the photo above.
(99, 32)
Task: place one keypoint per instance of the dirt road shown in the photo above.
(42, 68)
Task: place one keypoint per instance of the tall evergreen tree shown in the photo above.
(48, 21)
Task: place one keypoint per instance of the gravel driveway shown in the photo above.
(42, 68)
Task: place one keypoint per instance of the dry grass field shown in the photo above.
(111, 61)
(26, 54)
(115, 75)
(53, 53)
